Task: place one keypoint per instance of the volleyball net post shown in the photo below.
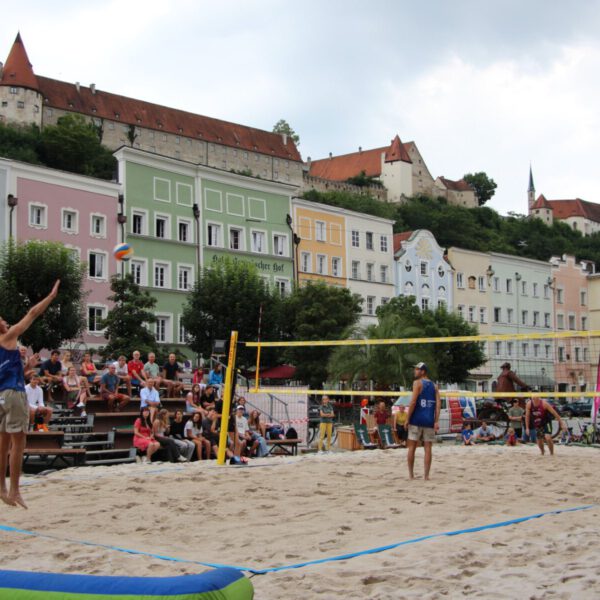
(227, 397)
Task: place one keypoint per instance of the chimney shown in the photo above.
(93, 88)
(284, 138)
(330, 155)
(77, 86)
(1, 68)
(308, 162)
(360, 148)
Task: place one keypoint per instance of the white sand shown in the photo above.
(318, 506)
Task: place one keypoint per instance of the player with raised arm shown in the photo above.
(14, 409)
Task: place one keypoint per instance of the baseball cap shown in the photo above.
(421, 366)
(239, 407)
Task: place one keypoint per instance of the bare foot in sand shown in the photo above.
(14, 500)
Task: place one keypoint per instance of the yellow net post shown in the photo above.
(227, 392)
(257, 369)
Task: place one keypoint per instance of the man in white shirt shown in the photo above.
(35, 399)
(149, 397)
(122, 372)
(244, 435)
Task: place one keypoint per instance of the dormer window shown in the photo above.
(70, 105)
(94, 110)
(14, 90)
(117, 115)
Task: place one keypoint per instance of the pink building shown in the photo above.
(573, 369)
(81, 212)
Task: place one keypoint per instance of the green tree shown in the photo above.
(364, 203)
(73, 145)
(282, 126)
(361, 180)
(20, 142)
(27, 273)
(317, 312)
(228, 296)
(485, 187)
(127, 324)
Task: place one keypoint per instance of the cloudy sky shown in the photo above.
(478, 85)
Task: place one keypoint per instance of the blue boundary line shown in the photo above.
(257, 571)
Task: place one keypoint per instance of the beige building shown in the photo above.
(27, 98)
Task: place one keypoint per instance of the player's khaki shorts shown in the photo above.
(421, 434)
(14, 412)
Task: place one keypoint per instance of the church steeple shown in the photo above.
(531, 190)
(17, 71)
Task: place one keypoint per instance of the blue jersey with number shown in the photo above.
(11, 370)
(424, 412)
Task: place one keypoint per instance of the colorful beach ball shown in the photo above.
(123, 251)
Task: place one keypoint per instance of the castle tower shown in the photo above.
(20, 98)
(530, 191)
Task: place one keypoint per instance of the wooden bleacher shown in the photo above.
(48, 447)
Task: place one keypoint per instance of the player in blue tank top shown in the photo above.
(14, 409)
(423, 417)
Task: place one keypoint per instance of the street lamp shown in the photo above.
(296, 239)
(12, 202)
(196, 212)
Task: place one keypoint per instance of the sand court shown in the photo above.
(315, 507)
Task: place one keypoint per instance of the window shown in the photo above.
(305, 262)
(509, 348)
(214, 235)
(560, 321)
(20, 104)
(547, 320)
(138, 272)
(424, 267)
(69, 221)
(383, 243)
(524, 317)
(534, 289)
(459, 280)
(235, 239)
(183, 231)
(560, 296)
(408, 266)
(95, 316)
(14, 90)
(497, 315)
(572, 326)
(138, 224)
(97, 265)
(461, 311)
(321, 264)
(280, 244)
(585, 355)
(441, 303)
(536, 318)
(523, 288)
(184, 278)
(546, 291)
(370, 305)
(441, 291)
(355, 269)
(409, 289)
(336, 267)
(37, 215)
(355, 239)
(369, 240)
(424, 303)
(509, 286)
(320, 231)
(183, 336)
(584, 323)
(258, 242)
(383, 271)
(497, 348)
(472, 314)
(481, 283)
(161, 272)
(496, 284)
(577, 354)
(369, 271)
(161, 227)
(482, 315)
(583, 297)
(160, 329)
(509, 315)
(561, 354)
(281, 286)
(98, 228)
(547, 350)
(524, 349)
(536, 350)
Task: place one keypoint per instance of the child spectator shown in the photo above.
(143, 439)
(76, 392)
(401, 418)
(511, 438)
(194, 429)
(177, 433)
(170, 374)
(160, 429)
(122, 372)
(467, 435)
(35, 399)
(109, 390)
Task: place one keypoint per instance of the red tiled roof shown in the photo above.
(18, 70)
(541, 202)
(562, 209)
(397, 151)
(399, 238)
(458, 186)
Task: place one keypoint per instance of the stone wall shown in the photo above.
(325, 185)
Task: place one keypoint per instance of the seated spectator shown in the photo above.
(143, 438)
(244, 436)
(197, 389)
(256, 425)
(109, 390)
(467, 435)
(401, 428)
(66, 361)
(191, 406)
(511, 437)
(242, 402)
(215, 432)
(51, 373)
(484, 433)
(381, 414)
(135, 368)
(76, 391)
(30, 365)
(89, 371)
(35, 399)
(170, 375)
(160, 428)
(122, 372)
(177, 432)
(198, 432)
(149, 397)
(198, 376)
(208, 397)
(215, 378)
(152, 371)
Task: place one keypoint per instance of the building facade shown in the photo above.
(422, 271)
(80, 212)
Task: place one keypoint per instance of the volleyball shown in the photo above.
(123, 251)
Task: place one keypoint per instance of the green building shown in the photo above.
(182, 217)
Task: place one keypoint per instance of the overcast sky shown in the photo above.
(479, 85)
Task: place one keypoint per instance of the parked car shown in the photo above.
(580, 408)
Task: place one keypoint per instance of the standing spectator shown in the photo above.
(326, 413)
(122, 372)
(152, 371)
(66, 361)
(143, 439)
(170, 374)
(515, 416)
(149, 397)
(109, 390)
(35, 399)
(215, 377)
(198, 431)
(401, 421)
(51, 373)
(89, 371)
(160, 429)
(135, 368)
(76, 392)
(177, 433)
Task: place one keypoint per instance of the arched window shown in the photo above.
(425, 290)
(409, 289)
(442, 291)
